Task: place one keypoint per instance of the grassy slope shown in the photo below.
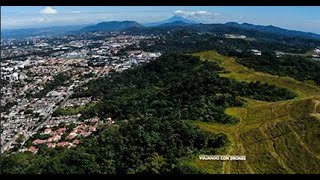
(276, 137)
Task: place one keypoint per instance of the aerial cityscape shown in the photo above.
(160, 90)
(41, 84)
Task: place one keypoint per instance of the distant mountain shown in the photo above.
(112, 26)
(274, 29)
(171, 20)
(29, 32)
(176, 23)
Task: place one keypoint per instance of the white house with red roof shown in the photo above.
(38, 141)
(92, 128)
(71, 136)
(64, 144)
(33, 149)
(51, 145)
(59, 131)
(47, 131)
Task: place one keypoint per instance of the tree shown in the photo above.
(20, 138)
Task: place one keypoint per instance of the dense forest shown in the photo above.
(260, 33)
(174, 84)
(142, 145)
(189, 42)
(298, 67)
(212, 37)
(150, 104)
(191, 39)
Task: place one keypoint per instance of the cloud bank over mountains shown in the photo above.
(200, 16)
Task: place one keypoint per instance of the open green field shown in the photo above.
(275, 137)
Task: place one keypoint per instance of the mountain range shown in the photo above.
(112, 26)
(173, 21)
(122, 25)
(273, 29)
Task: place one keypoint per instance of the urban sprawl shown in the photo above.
(39, 75)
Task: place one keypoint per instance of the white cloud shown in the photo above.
(75, 12)
(48, 10)
(203, 16)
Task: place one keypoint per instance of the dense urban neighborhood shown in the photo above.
(35, 86)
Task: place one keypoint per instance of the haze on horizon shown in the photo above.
(294, 18)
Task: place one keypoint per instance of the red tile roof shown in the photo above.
(33, 149)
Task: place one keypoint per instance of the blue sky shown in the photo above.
(295, 17)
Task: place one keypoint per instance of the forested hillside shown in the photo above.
(200, 37)
(175, 85)
(298, 67)
(150, 104)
